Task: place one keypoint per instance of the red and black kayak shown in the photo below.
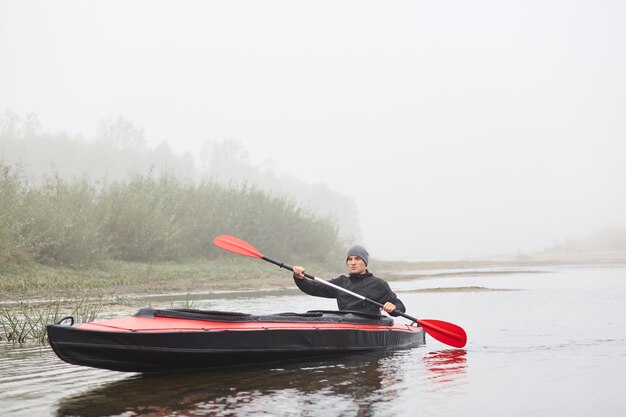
(167, 339)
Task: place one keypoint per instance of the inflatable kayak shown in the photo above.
(157, 340)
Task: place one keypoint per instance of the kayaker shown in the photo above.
(359, 280)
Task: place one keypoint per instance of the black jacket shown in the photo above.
(366, 285)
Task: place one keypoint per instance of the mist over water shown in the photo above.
(457, 129)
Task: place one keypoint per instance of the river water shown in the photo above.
(541, 342)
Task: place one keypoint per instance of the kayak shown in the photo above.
(155, 340)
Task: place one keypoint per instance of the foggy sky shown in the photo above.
(459, 128)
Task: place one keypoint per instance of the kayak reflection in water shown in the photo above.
(359, 280)
(345, 385)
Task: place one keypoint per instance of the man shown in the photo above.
(359, 280)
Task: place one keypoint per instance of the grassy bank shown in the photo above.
(118, 278)
(229, 272)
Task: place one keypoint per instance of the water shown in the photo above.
(554, 346)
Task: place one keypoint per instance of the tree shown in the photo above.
(14, 127)
(121, 133)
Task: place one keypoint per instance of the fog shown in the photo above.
(459, 129)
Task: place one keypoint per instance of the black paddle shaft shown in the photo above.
(311, 277)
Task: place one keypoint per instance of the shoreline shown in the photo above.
(134, 284)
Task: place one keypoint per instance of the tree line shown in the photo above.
(118, 147)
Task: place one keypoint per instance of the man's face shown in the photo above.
(356, 265)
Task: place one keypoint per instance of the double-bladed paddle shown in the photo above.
(445, 332)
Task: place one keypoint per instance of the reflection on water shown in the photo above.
(354, 385)
(445, 364)
(446, 368)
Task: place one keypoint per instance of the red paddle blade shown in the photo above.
(233, 244)
(445, 332)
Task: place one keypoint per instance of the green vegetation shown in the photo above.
(27, 321)
(147, 219)
(119, 147)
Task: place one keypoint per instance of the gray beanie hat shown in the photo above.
(360, 251)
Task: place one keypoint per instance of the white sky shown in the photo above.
(459, 128)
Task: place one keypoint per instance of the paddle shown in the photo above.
(445, 332)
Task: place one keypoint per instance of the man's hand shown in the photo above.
(388, 307)
(299, 272)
